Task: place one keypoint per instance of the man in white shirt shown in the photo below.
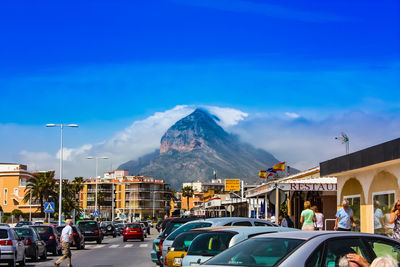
(66, 239)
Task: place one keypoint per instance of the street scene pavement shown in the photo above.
(111, 252)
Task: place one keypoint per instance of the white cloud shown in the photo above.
(292, 115)
(302, 141)
(140, 138)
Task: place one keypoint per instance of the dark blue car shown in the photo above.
(48, 234)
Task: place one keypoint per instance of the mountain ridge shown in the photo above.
(194, 147)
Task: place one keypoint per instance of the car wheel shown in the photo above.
(125, 240)
(99, 241)
(142, 239)
(114, 235)
(35, 256)
(11, 263)
(44, 256)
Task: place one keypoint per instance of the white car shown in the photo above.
(12, 248)
(210, 222)
(209, 244)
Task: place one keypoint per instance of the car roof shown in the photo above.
(184, 220)
(306, 235)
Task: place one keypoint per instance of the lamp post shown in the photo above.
(96, 158)
(61, 163)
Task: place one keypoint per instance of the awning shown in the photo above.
(306, 184)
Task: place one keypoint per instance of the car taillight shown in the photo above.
(6, 243)
(96, 232)
(28, 242)
(161, 245)
(52, 237)
(75, 234)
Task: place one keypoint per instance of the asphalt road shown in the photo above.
(112, 252)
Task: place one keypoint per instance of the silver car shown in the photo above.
(211, 222)
(305, 248)
(12, 249)
(209, 244)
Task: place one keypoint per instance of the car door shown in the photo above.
(383, 247)
(39, 242)
(20, 247)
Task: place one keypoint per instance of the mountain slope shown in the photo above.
(195, 146)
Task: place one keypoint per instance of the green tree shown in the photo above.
(187, 192)
(17, 213)
(42, 186)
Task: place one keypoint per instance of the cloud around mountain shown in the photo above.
(303, 139)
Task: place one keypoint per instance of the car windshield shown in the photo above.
(256, 252)
(88, 226)
(210, 244)
(24, 231)
(187, 227)
(133, 226)
(182, 242)
(172, 226)
(24, 223)
(43, 230)
(3, 234)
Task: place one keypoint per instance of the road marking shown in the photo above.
(128, 246)
(114, 246)
(100, 246)
(143, 245)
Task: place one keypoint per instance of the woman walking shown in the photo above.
(319, 219)
(395, 219)
(307, 218)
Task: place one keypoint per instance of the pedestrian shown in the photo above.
(307, 217)
(395, 219)
(344, 218)
(66, 239)
(379, 219)
(283, 221)
(319, 222)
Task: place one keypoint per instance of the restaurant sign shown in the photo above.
(307, 187)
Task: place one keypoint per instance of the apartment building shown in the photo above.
(126, 197)
(13, 180)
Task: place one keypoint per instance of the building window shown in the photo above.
(16, 191)
(5, 196)
(22, 182)
(382, 206)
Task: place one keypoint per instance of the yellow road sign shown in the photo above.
(232, 184)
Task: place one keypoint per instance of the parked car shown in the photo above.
(35, 247)
(214, 240)
(147, 225)
(108, 228)
(91, 231)
(4, 224)
(133, 231)
(79, 238)
(22, 223)
(38, 223)
(49, 235)
(305, 248)
(211, 222)
(180, 246)
(171, 225)
(12, 249)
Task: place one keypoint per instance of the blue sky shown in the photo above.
(108, 64)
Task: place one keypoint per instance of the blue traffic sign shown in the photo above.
(49, 207)
(95, 213)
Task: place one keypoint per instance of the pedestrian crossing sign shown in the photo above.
(49, 207)
(95, 213)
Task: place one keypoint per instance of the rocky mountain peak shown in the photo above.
(195, 131)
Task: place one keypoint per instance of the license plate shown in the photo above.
(88, 233)
(178, 261)
(132, 231)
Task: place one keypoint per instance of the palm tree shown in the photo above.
(77, 186)
(42, 186)
(187, 192)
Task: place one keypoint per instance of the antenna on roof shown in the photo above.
(345, 140)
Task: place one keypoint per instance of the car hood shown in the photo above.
(189, 259)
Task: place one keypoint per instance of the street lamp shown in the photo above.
(61, 163)
(96, 158)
